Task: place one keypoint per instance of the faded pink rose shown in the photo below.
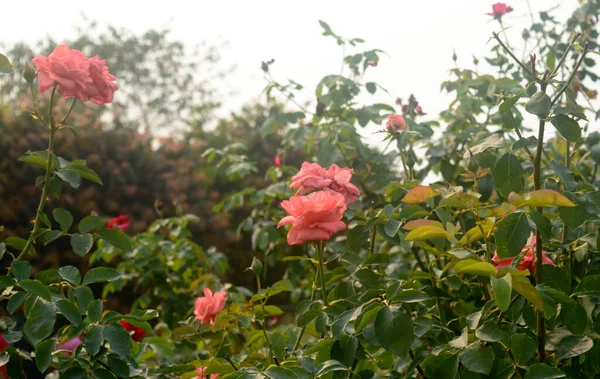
(67, 68)
(395, 123)
(314, 177)
(277, 161)
(528, 261)
(499, 10)
(202, 375)
(208, 307)
(315, 217)
(102, 87)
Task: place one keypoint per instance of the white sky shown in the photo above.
(418, 35)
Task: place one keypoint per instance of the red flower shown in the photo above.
(499, 10)
(120, 222)
(3, 346)
(277, 161)
(138, 333)
(528, 261)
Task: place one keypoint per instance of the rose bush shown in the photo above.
(415, 261)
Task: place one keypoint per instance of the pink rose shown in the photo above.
(499, 10)
(314, 177)
(528, 261)
(277, 161)
(69, 69)
(202, 375)
(102, 87)
(395, 123)
(315, 217)
(208, 307)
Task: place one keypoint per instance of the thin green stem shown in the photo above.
(419, 369)
(42, 203)
(372, 240)
(320, 248)
(564, 56)
(264, 324)
(539, 273)
(64, 119)
(570, 78)
(312, 297)
(517, 60)
(523, 142)
(403, 158)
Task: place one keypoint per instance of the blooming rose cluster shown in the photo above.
(528, 261)
(75, 75)
(317, 216)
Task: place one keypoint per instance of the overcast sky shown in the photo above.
(418, 36)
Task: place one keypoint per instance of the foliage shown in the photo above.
(430, 280)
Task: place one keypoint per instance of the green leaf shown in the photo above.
(441, 366)
(502, 288)
(94, 310)
(82, 243)
(276, 372)
(52, 235)
(162, 347)
(478, 358)
(475, 267)
(508, 103)
(329, 366)
(573, 216)
(101, 274)
(93, 339)
(119, 339)
(567, 127)
(16, 301)
(36, 287)
(70, 274)
(523, 348)
(90, 223)
(43, 354)
(6, 281)
(539, 104)
(69, 310)
(427, 232)
(542, 223)
(564, 174)
(83, 171)
(394, 330)
(528, 291)
(573, 346)
(540, 198)
(21, 269)
(40, 322)
(115, 238)
(543, 371)
(64, 218)
(5, 66)
(512, 234)
(83, 297)
(391, 227)
(102, 373)
(590, 285)
(70, 177)
(489, 332)
(508, 174)
(575, 318)
(371, 87)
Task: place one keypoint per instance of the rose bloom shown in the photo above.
(208, 307)
(69, 69)
(200, 370)
(102, 87)
(395, 123)
(120, 222)
(315, 217)
(528, 261)
(137, 334)
(314, 177)
(500, 9)
(277, 161)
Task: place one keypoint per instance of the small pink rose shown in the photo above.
(208, 307)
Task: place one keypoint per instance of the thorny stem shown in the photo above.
(40, 208)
